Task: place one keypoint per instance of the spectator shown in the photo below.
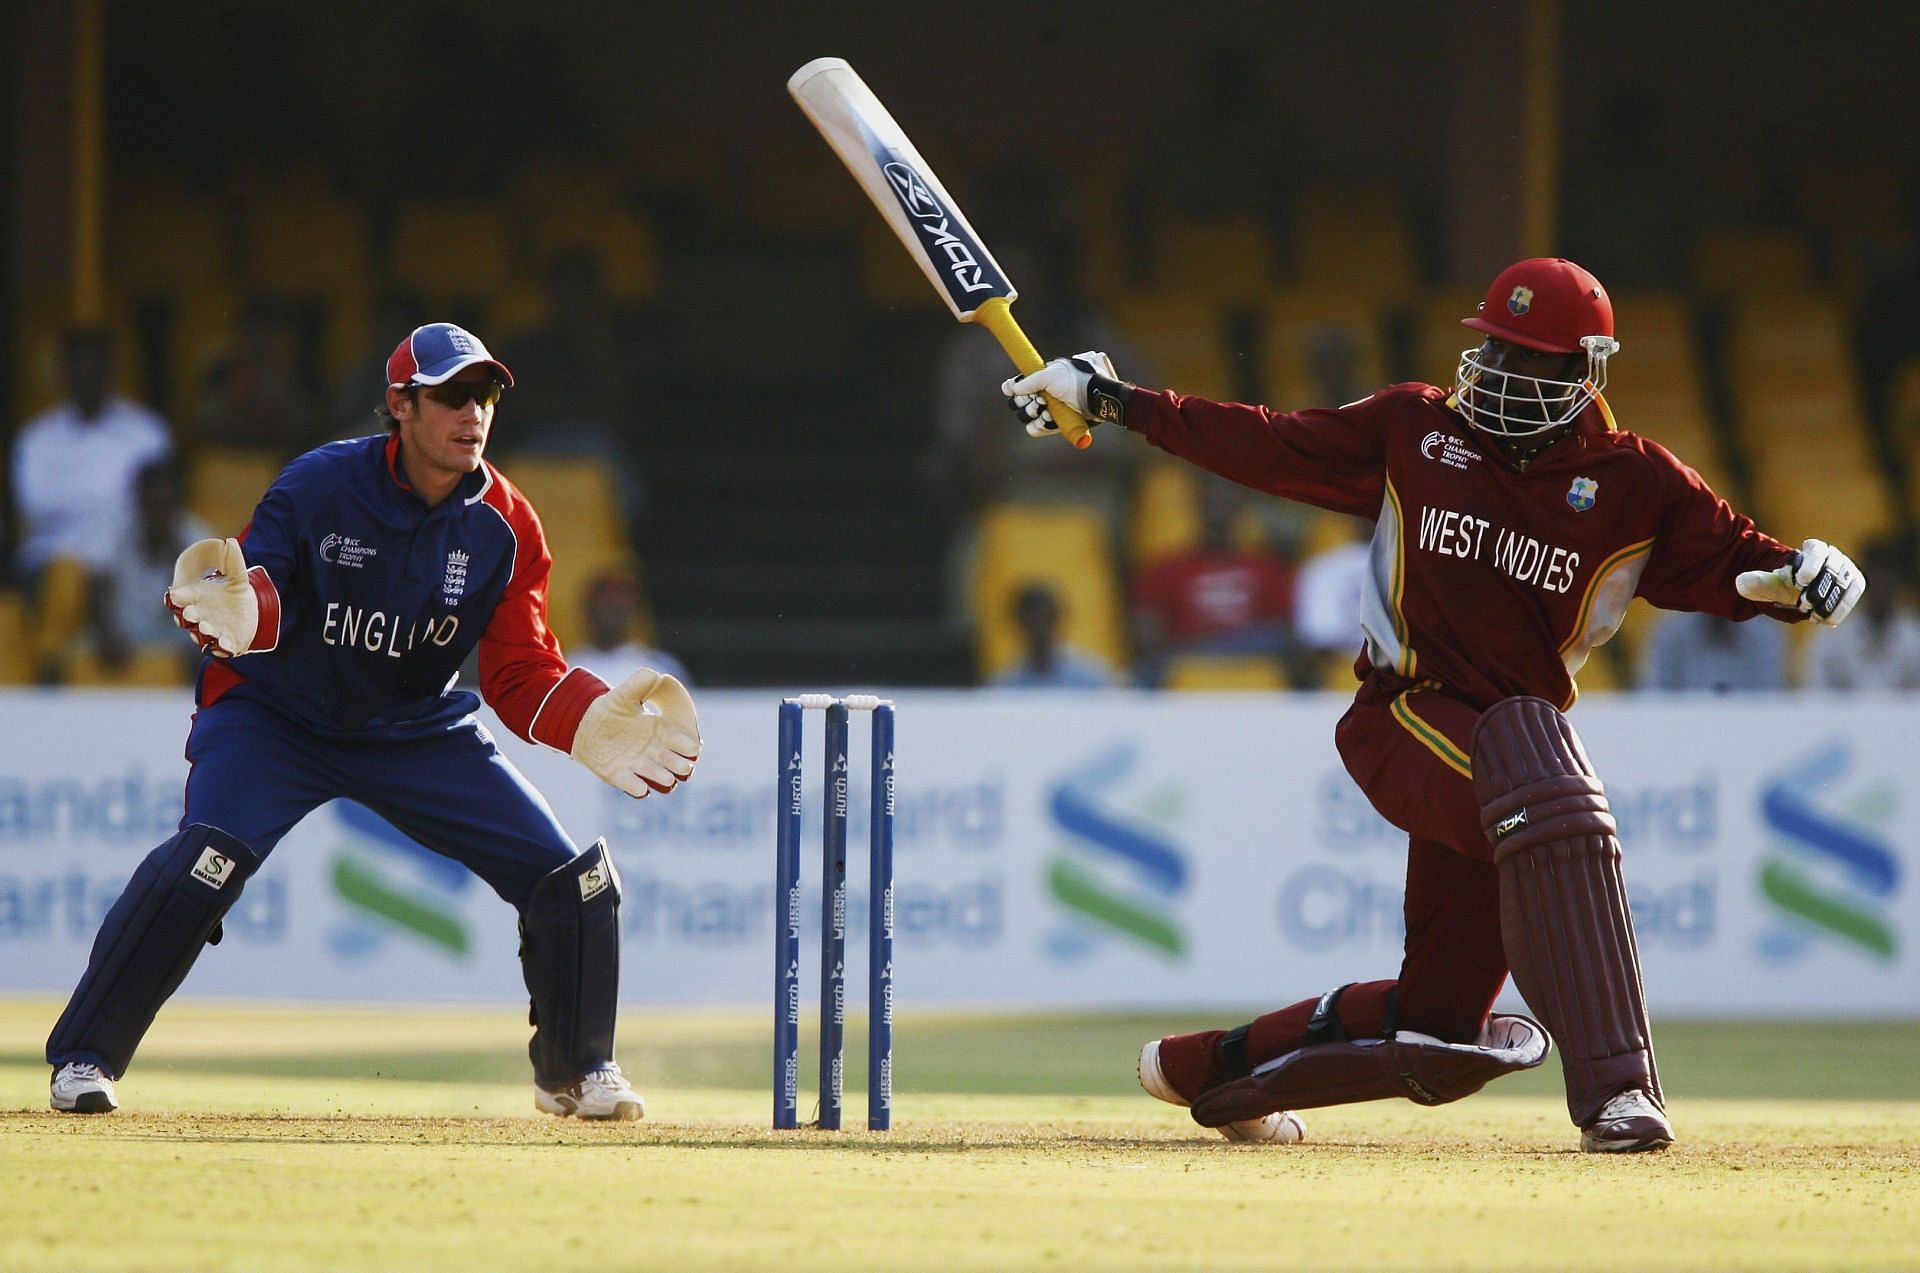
(1219, 598)
(613, 650)
(255, 397)
(1046, 663)
(1326, 607)
(1880, 650)
(1700, 651)
(73, 483)
(128, 614)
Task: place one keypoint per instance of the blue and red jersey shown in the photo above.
(381, 600)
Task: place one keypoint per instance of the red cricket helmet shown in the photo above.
(1546, 303)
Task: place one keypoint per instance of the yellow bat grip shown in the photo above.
(996, 315)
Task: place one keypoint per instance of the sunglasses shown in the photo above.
(458, 393)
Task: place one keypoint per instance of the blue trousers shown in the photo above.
(256, 773)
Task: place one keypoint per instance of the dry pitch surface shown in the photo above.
(280, 1139)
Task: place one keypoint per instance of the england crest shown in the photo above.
(1581, 493)
(1520, 302)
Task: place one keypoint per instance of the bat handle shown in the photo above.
(996, 315)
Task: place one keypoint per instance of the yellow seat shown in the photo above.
(16, 655)
(1225, 672)
(300, 245)
(451, 251)
(1222, 260)
(1063, 546)
(1298, 327)
(1734, 263)
(225, 484)
(1166, 511)
(42, 316)
(621, 240)
(147, 667)
(581, 517)
(165, 239)
(1357, 241)
(1438, 336)
(1184, 340)
(58, 612)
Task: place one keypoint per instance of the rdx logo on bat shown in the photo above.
(936, 226)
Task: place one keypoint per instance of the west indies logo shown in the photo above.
(1830, 872)
(393, 887)
(1117, 870)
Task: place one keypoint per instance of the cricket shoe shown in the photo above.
(1283, 1127)
(80, 1088)
(1631, 1123)
(601, 1093)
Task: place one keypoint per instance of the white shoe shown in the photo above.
(1631, 1123)
(1282, 1128)
(80, 1088)
(600, 1093)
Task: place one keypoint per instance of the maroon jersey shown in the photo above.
(1487, 582)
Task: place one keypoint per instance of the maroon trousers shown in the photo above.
(1409, 749)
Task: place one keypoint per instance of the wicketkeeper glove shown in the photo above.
(1819, 580)
(1086, 382)
(226, 607)
(642, 735)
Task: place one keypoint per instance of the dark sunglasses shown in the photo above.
(458, 393)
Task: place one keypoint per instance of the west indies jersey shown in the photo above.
(1488, 582)
(382, 599)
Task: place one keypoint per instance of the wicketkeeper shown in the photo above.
(334, 629)
(1513, 522)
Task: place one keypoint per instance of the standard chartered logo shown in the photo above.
(1117, 869)
(1830, 873)
(392, 887)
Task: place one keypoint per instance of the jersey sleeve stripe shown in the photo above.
(1405, 660)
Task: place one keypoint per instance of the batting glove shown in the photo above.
(1086, 382)
(1819, 580)
(642, 735)
(227, 608)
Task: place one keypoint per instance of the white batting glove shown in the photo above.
(1066, 379)
(213, 599)
(1819, 580)
(642, 735)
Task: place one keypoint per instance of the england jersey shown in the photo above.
(381, 599)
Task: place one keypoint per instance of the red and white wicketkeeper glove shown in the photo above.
(1819, 581)
(226, 607)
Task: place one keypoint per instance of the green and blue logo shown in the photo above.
(1830, 873)
(391, 887)
(1117, 869)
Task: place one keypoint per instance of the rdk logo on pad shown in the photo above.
(213, 868)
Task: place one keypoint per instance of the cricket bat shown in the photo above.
(922, 214)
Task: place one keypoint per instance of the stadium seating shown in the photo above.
(1297, 324)
(1655, 388)
(1741, 263)
(1222, 260)
(451, 252)
(224, 485)
(1183, 339)
(148, 667)
(1064, 546)
(1165, 518)
(16, 655)
(585, 534)
(1224, 672)
(1355, 241)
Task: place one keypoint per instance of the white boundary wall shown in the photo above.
(1099, 850)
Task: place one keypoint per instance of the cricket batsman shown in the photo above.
(334, 628)
(1513, 522)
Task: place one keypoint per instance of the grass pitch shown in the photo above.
(274, 1139)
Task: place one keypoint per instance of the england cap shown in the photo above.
(435, 353)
